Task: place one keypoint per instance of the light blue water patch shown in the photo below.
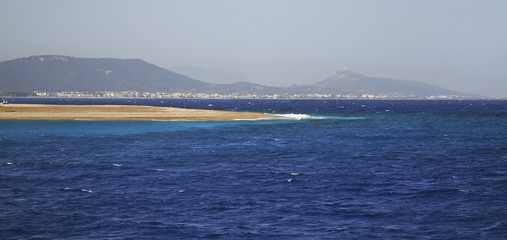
(79, 128)
(84, 127)
(345, 118)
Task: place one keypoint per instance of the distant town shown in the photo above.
(137, 94)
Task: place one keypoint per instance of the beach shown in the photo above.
(120, 112)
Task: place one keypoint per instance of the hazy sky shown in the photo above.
(456, 44)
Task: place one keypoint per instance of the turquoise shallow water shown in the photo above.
(421, 170)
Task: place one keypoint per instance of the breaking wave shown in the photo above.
(296, 116)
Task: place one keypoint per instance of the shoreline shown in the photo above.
(121, 113)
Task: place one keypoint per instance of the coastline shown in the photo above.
(121, 112)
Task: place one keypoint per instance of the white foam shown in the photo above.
(117, 165)
(298, 116)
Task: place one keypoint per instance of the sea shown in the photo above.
(335, 169)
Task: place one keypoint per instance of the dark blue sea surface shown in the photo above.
(344, 170)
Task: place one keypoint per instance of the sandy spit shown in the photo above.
(120, 112)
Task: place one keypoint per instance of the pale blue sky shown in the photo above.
(457, 44)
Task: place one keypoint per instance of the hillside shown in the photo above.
(347, 82)
(62, 73)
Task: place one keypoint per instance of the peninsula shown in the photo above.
(121, 112)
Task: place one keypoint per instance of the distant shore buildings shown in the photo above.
(160, 95)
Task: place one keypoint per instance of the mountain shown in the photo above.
(347, 82)
(219, 76)
(61, 73)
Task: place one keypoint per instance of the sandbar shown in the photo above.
(121, 112)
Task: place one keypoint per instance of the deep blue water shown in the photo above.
(354, 170)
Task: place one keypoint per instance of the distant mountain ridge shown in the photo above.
(52, 73)
(347, 82)
(62, 73)
(218, 76)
